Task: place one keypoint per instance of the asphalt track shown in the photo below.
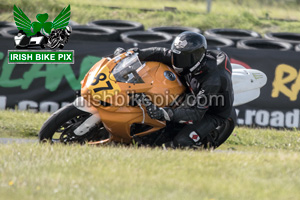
(17, 140)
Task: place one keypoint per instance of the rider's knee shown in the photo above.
(183, 141)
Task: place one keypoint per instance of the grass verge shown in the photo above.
(252, 164)
(79, 172)
(21, 124)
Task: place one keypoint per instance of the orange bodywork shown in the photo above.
(118, 117)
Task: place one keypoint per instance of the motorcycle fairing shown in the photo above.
(149, 79)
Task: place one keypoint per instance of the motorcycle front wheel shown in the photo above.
(59, 128)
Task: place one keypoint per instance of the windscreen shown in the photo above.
(126, 70)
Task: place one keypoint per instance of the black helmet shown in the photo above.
(188, 50)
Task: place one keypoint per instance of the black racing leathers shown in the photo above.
(210, 86)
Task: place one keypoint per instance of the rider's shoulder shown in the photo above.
(216, 53)
(220, 57)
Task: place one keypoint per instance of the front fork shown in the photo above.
(81, 104)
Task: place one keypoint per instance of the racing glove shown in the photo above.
(153, 111)
(159, 113)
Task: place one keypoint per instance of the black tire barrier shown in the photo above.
(297, 47)
(173, 30)
(145, 37)
(264, 44)
(9, 32)
(73, 23)
(4, 24)
(218, 42)
(233, 34)
(284, 36)
(78, 32)
(94, 33)
(119, 25)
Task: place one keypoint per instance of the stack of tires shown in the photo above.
(107, 30)
(291, 38)
(264, 44)
(93, 33)
(134, 33)
(173, 30)
(228, 37)
(9, 29)
(6, 27)
(278, 41)
(247, 39)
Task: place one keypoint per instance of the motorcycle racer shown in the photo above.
(207, 74)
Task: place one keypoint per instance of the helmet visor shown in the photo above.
(182, 60)
(185, 59)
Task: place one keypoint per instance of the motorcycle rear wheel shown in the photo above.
(61, 124)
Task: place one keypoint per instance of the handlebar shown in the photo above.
(143, 99)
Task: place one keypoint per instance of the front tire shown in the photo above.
(61, 124)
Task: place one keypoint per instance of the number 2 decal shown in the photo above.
(101, 77)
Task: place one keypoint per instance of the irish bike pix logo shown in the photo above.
(37, 36)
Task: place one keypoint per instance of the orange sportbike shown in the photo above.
(111, 107)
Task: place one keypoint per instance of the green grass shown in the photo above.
(24, 124)
(265, 138)
(80, 172)
(252, 164)
(21, 124)
(244, 14)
